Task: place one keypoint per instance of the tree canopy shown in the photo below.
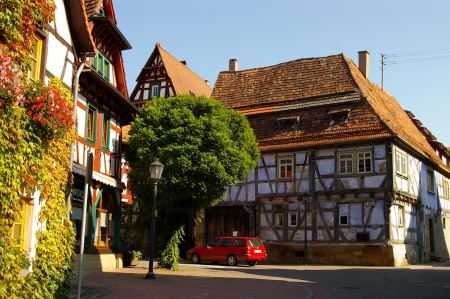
(204, 147)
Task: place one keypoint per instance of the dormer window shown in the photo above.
(339, 116)
(290, 122)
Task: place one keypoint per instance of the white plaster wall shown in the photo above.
(326, 166)
(269, 159)
(373, 181)
(379, 151)
(325, 152)
(56, 51)
(356, 214)
(377, 217)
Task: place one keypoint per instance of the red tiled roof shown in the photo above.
(293, 80)
(306, 88)
(184, 80)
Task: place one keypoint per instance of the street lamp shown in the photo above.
(156, 169)
(306, 198)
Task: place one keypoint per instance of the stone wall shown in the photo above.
(332, 254)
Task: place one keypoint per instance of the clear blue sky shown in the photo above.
(258, 33)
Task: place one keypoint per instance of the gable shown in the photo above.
(172, 75)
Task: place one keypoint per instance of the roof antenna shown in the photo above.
(382, 69)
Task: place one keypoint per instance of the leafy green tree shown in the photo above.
(204, 148)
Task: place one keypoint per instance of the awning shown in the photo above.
(103, 178)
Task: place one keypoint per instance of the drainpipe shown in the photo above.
(424, 236)
(74, 117)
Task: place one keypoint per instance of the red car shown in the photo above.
(230, 250)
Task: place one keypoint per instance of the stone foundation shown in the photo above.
(336, 254)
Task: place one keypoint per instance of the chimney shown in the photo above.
(363, 63)
(233, 67)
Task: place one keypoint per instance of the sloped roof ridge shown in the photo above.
(181, 64)
(183, 84)
(394, 116)
(282, 63)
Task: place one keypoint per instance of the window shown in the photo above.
(91, 123)
(401, 164)
(226, 242)
(430, 181)
(292, 219)
(446, 189)
(101, 65)
(36, 54)
(213, 243)
(106, 125)
(364, 162)
(154, 90)
(285, 168)
(346, 162)
(278, 219)
(400, 216)
(343, 220)
(239, 242)
(18, 229)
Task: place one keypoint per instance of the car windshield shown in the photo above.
(254, 242)
(212, 243)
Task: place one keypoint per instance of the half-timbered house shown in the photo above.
(378, 180)
(102, 108)
(163, 76)
(55, 55)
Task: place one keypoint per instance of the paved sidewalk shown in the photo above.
(268, 281)
(129, 283)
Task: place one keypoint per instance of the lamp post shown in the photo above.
(156, 169)
(306, 198)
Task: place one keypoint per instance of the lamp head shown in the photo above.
(156, 169)
(306, 197)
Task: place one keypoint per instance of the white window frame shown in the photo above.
(401, 165)
(401, 213)
(345, 162)
(293, 219)
(367, 160)
(342, 217)
(285, 165)
(446, 187)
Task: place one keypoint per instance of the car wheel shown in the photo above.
(251, 264)
(232, 261)
(195, 258)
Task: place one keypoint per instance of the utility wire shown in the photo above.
(388, 59)
(419, 53)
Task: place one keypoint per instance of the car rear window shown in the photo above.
(254, 242)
